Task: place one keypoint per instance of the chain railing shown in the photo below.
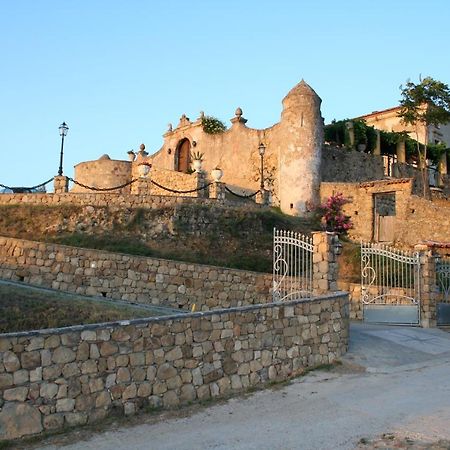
(93, 188)
(129, 183)
(26, 188)
(178, 191)
(240, 195)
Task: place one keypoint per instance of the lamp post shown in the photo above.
(262, 150)
(63, 129)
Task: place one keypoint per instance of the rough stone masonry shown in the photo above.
(71, 376)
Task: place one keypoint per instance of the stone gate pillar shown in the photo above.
(428, 288)
(325, 266)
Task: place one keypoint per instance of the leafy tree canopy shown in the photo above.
(427, 102)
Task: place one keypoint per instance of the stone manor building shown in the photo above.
(292, 160)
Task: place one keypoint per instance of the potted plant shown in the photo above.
(197, 159)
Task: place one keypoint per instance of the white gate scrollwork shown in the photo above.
(443, 284)
(443, 278)
(390, 284)
(292, 265)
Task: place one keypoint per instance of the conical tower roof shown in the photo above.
(298, 93)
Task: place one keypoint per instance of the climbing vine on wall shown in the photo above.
(337, 133)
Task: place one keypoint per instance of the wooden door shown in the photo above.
(386, 228)
(184, 158)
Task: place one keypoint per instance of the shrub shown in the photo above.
(331, 215)
(212, 125)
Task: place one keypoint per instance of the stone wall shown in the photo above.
(292, 156)
(102, 173)
(354, 298)
(417, 219)
(140, 279)
(425, 220)
(113, 200)
(350, 166)
(361, 206)
(170, 179)
(71, 376)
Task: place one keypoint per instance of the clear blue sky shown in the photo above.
(118, 71)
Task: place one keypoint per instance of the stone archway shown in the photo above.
(183, 156)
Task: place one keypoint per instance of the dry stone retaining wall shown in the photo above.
(71, 376)
(350, 166)
(416, 218)
(112, 200)
(140, 279)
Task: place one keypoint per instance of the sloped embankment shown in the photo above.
(237, 237)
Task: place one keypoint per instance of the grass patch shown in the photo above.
(234, 237)
(350, 262)
(24, 309)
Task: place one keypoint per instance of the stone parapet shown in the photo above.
(112, 200)
(77, 375)
(325, 266)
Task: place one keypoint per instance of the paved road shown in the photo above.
(399, 383)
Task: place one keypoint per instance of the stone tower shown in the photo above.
(300, 152)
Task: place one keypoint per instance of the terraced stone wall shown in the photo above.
(133, 278)
(50, 379)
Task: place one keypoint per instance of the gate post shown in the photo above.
(325, 265)
(428, 294)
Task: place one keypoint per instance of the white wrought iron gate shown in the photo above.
(390, 285)
(292, 265)
(443, 283)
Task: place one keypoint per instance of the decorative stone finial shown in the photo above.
(131, 155)
(202, 115)
(142, 151)
(238, 117)
(184, 121)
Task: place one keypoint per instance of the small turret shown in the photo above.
(300, 159)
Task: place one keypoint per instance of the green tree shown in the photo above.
(422, 105)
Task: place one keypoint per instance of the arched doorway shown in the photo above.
(183, 156)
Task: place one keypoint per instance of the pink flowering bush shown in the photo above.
(331, 216)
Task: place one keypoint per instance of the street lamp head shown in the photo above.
(63, 129)
(262, 149)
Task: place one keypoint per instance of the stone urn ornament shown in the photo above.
(144, 169)
(197, 165)
(362, 147)
(217, 174)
